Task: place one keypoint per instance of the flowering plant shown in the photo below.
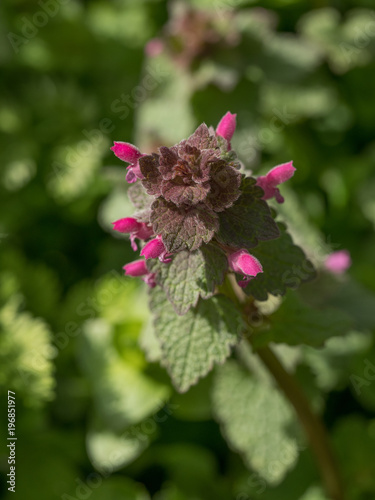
(194, 204)
(212, 252)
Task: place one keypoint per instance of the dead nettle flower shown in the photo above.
(136, 229)
(227, 127)
(242, 262)
(138, 268)
(338, 262)
(192, 34)
(184, 191)
(155, 249)
(276, 176)
(130, 154)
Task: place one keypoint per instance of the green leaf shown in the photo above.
(183, 229)
(297, 323)
(193, 343)
(141, 200)
(254, 417)
(191, 275)
(284, 266)
(115, 450)
(138, 196)
(249, 220)
(149, 343)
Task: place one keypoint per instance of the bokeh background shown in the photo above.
(96, 418)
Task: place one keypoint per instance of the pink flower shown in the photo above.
(130, 154)
(136, 229)
(338, 262)
(126, 225)
(150, 280)
(227, 126)
(136, 268)
(126, 152)
(154, 249)
(242, 262)
(154, 47)
(276, 176)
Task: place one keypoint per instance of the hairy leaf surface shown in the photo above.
(193, 343)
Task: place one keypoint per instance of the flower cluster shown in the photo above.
(181, 194)
(191, 34)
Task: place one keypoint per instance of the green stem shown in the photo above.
(314, 428)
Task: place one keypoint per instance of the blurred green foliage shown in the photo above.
(96, 416)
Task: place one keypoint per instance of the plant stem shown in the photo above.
(314, 428)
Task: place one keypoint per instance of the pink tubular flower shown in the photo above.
(130, 154)
(242, 262)
(136, 268)
(270, 181)
(126, 152)
(126, 225)
(227, 126)
(136, 229)
(154, 249)
(338, 262)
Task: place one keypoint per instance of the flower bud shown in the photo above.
(281, 173)
(227, 126)
(126, 152)
(275, 176)
(242, 262)
(150, 280)
(130, 175)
